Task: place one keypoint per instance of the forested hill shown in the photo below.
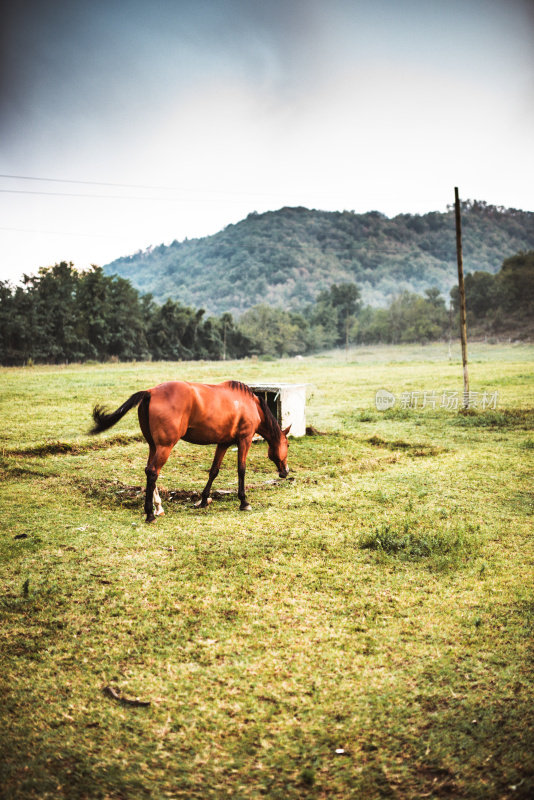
(284, 258)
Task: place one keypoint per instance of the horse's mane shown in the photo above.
(271, 423)
(237, 386)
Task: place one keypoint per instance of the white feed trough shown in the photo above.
(287, 401)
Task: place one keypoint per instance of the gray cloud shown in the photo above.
(68, 58)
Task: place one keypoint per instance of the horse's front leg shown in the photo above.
(243, 446)
(205, 498)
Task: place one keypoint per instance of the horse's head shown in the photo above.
(278, 453)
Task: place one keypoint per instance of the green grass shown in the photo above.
(378, 603)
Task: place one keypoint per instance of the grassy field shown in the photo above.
(365, 632)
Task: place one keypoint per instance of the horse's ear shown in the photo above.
(286, 430)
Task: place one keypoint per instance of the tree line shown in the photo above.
(62, 315)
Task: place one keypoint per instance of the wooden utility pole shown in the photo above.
(461, 289)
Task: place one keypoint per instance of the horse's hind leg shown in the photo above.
(156, 459)
(158, 508)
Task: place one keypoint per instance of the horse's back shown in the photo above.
(203, 413)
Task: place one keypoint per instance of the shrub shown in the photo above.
(440, 547)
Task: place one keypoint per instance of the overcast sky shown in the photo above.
(136, 122)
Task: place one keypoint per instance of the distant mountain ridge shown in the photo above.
(286, 257)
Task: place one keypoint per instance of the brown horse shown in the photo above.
(224, 414)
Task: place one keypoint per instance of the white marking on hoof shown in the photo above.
(158, 508)
(198, 504)
(246, 508)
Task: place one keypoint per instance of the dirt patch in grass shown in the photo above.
(116, 493)
(74, 448)
(518, 418)
(352, 418)
(371, 464)
(415, 449)
(7, 471)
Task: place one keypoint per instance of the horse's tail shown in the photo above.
(106, 419)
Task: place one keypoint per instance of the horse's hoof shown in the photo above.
(200, 504)
(152, 518)
(160, 513)
(246, 508)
